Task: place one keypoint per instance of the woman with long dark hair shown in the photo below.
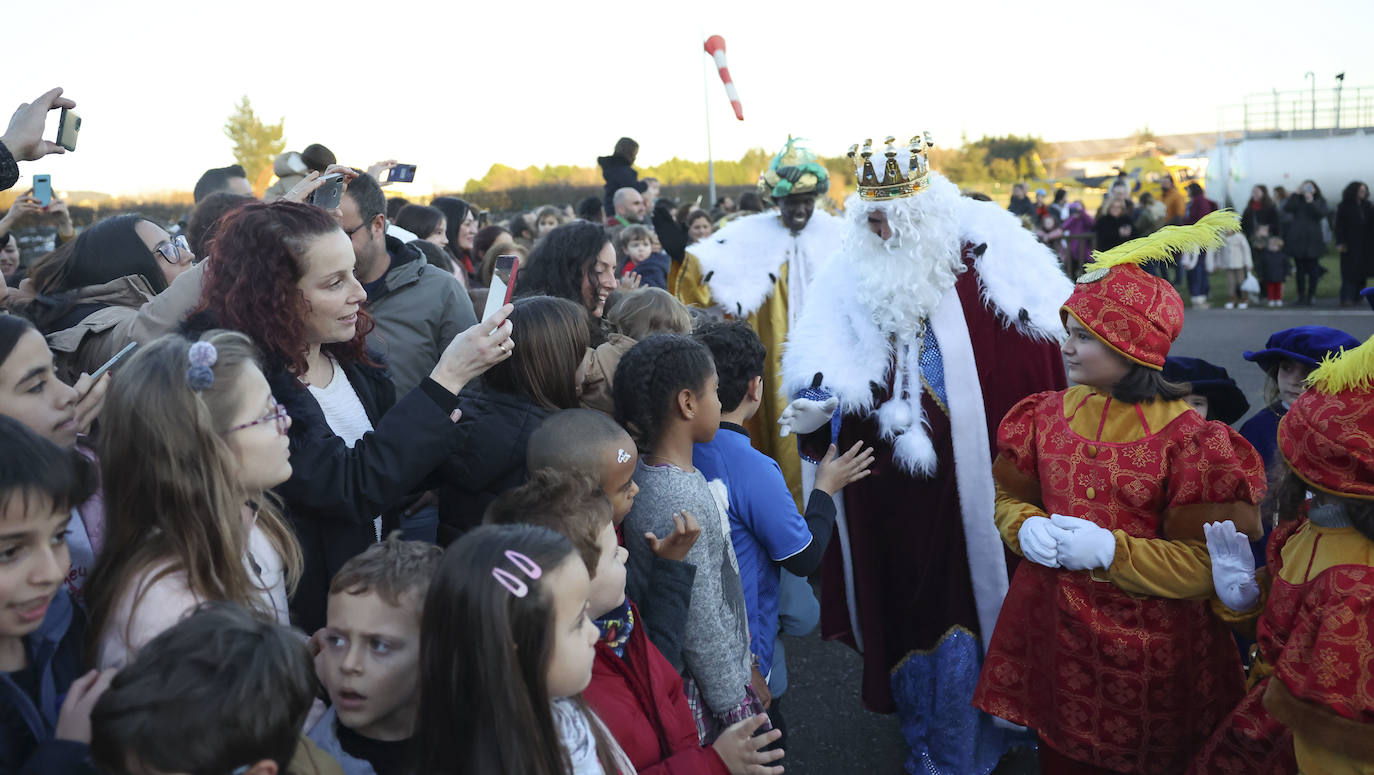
(283, 275)
(1303, 237)
(461, 227)
(1354, 232)
(513, 398)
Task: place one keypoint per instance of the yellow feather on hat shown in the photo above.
(1207, 234)
(1345, 370)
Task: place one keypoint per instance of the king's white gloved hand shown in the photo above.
(1233, 566)
(1084, 545)
(805, 415)
(1039, 541)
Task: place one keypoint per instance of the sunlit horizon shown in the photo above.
(455, 90)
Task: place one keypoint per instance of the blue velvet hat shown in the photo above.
(1225, 400)
(1305, 344)
(1368, 294)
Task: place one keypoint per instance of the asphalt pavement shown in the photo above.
(828, 729)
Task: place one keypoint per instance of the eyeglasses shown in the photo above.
(277, 415)
(171, 249)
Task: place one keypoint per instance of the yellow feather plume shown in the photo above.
(1207, 234)
(1346, 370)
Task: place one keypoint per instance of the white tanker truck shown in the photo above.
(1330, 158)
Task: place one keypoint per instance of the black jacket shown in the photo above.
(335, 492)
(618, 173)
(1354, 229)
(492, 437)
(1303, 237)
(1251, 219)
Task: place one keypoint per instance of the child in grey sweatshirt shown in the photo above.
(665, 395)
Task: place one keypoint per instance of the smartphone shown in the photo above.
(100, 372)
(328, 195)
(401, 173)
(42, 189)
(67, 129)
(502, 284)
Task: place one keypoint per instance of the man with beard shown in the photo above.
(940, 315)
(758, 268)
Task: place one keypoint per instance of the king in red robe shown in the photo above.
(941, 314)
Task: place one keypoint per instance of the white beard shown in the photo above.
(902, 279)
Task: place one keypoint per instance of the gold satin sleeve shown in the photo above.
(1017, 500)
(691, 289)
(1159, 567)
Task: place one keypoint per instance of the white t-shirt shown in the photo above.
(345, 414)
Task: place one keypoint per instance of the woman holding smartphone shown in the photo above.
(283, 275)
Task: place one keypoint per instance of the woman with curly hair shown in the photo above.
(575, 261)
(283, 275)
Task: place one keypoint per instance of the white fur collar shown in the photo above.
(835, 336)
(743, 258)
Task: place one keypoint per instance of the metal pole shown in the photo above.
(1313, 76)
(1340, 82)
(710, 160)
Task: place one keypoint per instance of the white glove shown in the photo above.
(1233, 566)
(1084, 545)
(805, 415)
(1039, 539)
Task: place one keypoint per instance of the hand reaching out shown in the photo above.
(805, 415)
(631, 281)
(836, 472)
(74, 719)
(676, 544)
(1233, 566)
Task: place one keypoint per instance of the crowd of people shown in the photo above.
(282, 493)
(1283, 235)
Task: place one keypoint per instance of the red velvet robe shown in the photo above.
(911, 574)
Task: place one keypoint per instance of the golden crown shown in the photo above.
(904, 174)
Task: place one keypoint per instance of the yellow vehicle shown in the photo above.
(1146, 172)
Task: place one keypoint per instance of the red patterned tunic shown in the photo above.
(1316, 635)
(1115, 668)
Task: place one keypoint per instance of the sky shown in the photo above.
(454, 87)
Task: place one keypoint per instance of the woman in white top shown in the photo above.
(191, 441)
(284, 274)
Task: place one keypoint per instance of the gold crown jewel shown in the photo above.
(904, 174)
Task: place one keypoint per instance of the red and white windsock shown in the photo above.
(715, 46)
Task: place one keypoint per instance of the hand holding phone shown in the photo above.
(330, 192)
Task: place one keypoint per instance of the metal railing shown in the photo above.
(1304, 110)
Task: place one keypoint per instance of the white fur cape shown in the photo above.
(835, 336)
(740, 258)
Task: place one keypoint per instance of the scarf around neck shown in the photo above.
(616, 626)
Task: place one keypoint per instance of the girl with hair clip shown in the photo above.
(190, 447)
(505, 696)
(514, 397)
(1105, 645)
(1311, 702)
(666, 397)
(632, 316)
(283, 275)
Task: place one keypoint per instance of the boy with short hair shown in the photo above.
(768, 534)
(635, 246)
(588, 442)
(222, 691)
(41, 630)
(369, 659)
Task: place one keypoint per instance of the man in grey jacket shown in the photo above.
(417, 308)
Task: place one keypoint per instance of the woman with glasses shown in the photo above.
(282, 273)
(192, 443)
(90, 291)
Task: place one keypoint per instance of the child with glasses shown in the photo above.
(191, 443)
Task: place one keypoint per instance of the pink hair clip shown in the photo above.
(510, 581)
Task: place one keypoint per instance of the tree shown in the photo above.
(256, 144)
